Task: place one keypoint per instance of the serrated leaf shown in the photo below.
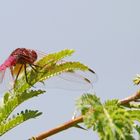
(48, 72)
(48, 66)
(18, 119)
(6, 97)
(15, 100)
(110, 120)
(54, 57)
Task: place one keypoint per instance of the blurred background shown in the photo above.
(105, 36)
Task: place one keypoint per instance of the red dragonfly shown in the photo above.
(21, 58)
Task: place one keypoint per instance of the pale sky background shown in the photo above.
(105, 35)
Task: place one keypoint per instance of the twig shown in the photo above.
(60, 128)
(131, 98)
(79, 119)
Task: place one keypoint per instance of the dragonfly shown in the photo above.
(21, 58)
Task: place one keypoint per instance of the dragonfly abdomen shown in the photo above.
(11, 61)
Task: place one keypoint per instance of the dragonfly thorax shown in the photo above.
(24, 56)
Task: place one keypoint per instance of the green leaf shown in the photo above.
(46, 73)
(137, 127)
(47, 67)
(54, 57)
(135, 114)
(18, 119)
(15, 100)
(136, 80)
(88, 101)
(50, 65)
(6, 97)
(110, 120)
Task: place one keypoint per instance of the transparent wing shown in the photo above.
(40, 54)
(73, 80)
(2, 75)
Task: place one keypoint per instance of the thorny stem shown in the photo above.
(79, 119)
(60, 128)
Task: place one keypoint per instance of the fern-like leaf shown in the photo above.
(18, 119)
(48, 72)
(54, 57)
(14, 100)
(110, 120)
(47, 67)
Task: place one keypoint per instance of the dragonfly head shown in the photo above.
(24, 56)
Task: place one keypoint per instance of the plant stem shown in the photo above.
(131, 98)
(79, 119)
(60, 128)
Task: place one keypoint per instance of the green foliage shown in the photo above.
(47, 67)
(54, 57)
(11, 101)
(110, 120)
(18, 119)
(137, 127)
(136, 80)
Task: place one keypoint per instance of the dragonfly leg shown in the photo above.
(33, 66)
(25, 71)
(37, 66)
(17, 75)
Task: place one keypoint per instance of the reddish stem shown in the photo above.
(79, 119)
